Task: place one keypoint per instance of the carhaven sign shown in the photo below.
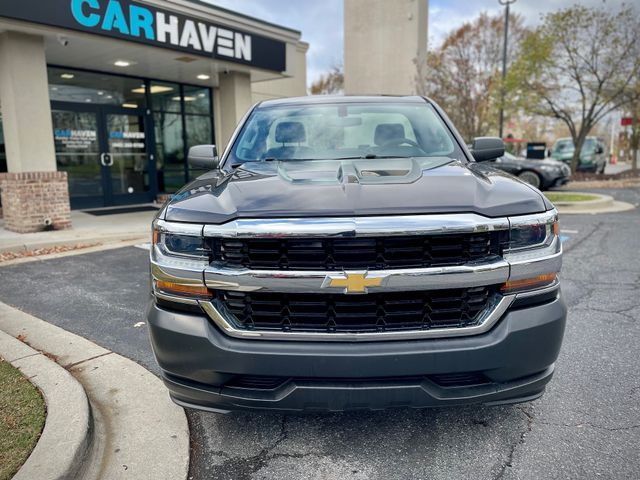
(143, 23)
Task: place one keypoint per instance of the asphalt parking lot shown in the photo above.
(587, 425)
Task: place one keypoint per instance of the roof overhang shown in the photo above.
(173, 40)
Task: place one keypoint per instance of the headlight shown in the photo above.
(533, 231)
(186, 241)
(179, 256)
(534, 252)
(548, 168)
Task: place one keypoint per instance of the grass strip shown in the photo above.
(22, 417)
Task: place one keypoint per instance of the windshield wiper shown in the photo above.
(239, 164)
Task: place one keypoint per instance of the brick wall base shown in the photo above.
(35, 201)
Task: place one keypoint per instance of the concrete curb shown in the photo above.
(65, 439)
(138, 431)
(614, 207)
(602, 204)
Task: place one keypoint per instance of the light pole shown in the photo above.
(506, 3)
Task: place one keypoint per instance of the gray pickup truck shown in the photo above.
(352, 253)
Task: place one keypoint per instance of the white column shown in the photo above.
(232, 100)
(384, 41)
(24, 99)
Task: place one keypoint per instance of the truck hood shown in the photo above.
(352, 188)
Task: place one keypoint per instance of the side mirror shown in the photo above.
(487, 148)
(203, 156)
(599, 149)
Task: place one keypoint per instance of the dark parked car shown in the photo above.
(352, 253)
(542, 174)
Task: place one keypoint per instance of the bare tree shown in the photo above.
(578, 67)
(463, 74)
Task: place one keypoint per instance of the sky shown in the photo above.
(321, 21)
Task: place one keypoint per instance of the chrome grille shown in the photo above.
(371, 253)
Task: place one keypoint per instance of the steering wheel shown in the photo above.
(395, 142)
(400, 141)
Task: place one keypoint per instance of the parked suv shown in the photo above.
(352, 253)
(592, 155)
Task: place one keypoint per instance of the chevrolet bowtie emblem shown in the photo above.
(352, 282)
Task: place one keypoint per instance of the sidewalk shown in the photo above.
(108, 417)
(87, 230)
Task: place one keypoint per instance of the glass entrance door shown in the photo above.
(105, 151)
(126, 157)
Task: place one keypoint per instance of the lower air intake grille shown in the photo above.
(450, 380)
(394, 311)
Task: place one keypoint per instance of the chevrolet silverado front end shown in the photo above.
(350, 253)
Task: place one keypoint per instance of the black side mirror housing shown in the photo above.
(203, 156)
(487, 148)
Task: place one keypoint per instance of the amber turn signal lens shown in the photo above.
(155, 236)
(183, 290)
(528, 283)
(555, 228)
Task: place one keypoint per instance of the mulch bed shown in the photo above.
(587, 176)
(585, 180)
(6, 256)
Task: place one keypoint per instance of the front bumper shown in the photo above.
(554, 178)
(199, 363)
(556, 181)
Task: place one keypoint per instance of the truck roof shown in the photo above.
(319, 99)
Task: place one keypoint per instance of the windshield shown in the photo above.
(566, 146)
(563, 146)
(344, 131)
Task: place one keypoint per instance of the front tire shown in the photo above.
(532, 178)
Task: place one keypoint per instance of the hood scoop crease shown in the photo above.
(365, 171)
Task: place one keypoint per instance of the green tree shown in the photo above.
(578, 66)
(463, 74)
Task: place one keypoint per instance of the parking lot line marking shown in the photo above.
(568, 231)
(143, 246)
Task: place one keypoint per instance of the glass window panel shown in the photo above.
(169, 151)
(165, 96)
(66, 85)
(197, 100)
(198, 133)
(198, 130)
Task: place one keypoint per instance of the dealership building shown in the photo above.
(100, 100)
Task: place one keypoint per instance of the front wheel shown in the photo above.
(532, 178)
